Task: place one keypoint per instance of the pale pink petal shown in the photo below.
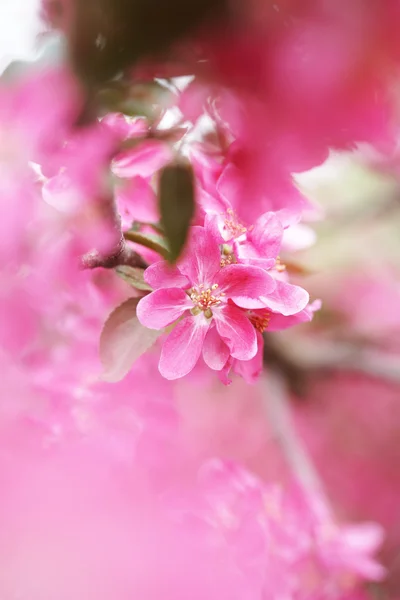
(298, 237)
(162, 307)
(286, 299)
(162, 275)
(245, 284)
(182, 348)
(145, 160)
(266, 235)
(215, 351)
(237, 331)
(202, 258)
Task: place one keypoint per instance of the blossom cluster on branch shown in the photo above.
(150, 222)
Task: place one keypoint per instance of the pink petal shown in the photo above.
(245, 284)
(237, 331)
(162, 307)
(278, 322)
(225, 372)
(193, 99)
(230, 185)
(212, 224)
(298, 237)
(201, 260)
(137, 201)
(162, 275)
(182, 348)
(124, 127)
(212, 204)
(248, 254)
(215, 351)
(266, 236)
(145, 160)
(206, 167)
(250, 369)
(286, 299)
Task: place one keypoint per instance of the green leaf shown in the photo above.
(133, 276)
(123, 340)
(149, 240)
(176, 203)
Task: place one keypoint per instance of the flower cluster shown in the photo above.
(220, 300)
(152, 473)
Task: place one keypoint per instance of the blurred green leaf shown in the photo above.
(133, 276)
(149, 240)
(176, 203)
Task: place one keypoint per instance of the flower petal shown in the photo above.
(286, 299)
(162, 307)
(237, 331)
(215, 351)
(278, 321)
(145, 160)
(250, 369)
(248, 254)
(266, 235)
(162, 275)
(202, 258)
(245, 284)
(136, 200)
(182, 348)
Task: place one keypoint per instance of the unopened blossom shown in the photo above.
(204, 301)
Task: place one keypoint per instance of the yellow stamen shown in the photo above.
(279, 266)
(233, 224)
(205, 299)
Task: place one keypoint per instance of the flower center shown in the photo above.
(228, 257)
(233, 224)
(260, 320)
(205, 299)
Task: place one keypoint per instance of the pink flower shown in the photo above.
(210, 298)
(259, 245)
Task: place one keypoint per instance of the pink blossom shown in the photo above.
(209, 298)
(259, 245)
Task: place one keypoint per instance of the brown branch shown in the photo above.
(120, 253)
(124, 255)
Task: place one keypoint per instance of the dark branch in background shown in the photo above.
(297, 361)
(109, 36)
(294, 374)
